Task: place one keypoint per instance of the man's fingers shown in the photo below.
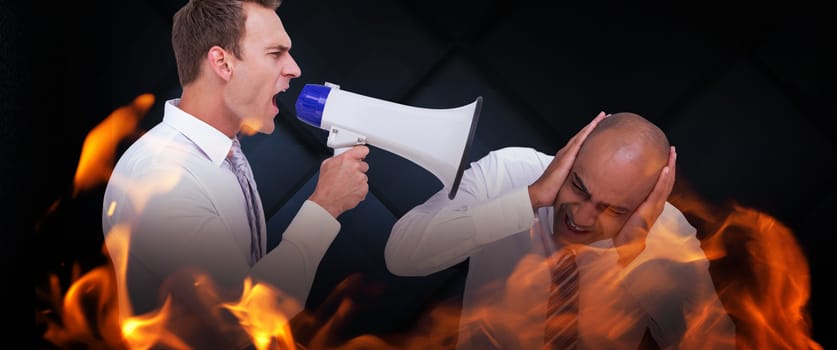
(668, 181)
(665, 183)
(578, 139)
(363, 166)
(546, 187)
(587, 129)
(566, 155)
(358, 152)
(672, 167)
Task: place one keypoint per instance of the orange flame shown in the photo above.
(114, 326)
(142, 331)
(262, 317)
(111, 323)
(765, 297)
(99, 150)
(761, 274)
(250, 127)
(74, 324)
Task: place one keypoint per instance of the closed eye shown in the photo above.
(578, 188)
(578, 185)
(617, 211)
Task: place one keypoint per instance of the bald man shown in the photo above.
(600, 202)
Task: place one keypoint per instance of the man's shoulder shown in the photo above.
(515, 157)
(673, 220)
(512, 151)
(509, 167)
(673, 232)
(157, 152)
(158, 144)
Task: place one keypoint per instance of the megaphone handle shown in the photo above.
(342, 140)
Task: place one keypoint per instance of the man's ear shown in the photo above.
(218, 62)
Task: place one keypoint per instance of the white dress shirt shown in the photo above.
(173, 190)
(667, 289)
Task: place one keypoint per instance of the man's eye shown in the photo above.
(617, 212)
(580, 191)
(275, 53)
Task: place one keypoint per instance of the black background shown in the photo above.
(745, 90)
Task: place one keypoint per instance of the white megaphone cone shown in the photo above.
(435, 139)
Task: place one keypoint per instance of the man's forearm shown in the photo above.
(441, 233)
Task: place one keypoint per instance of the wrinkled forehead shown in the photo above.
(615, 171)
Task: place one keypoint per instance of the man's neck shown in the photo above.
(208, 105)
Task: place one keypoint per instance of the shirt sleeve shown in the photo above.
(177, 237)
(292, 265)
(442, 232)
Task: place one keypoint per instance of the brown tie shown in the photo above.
(255, 215)
(561, 331)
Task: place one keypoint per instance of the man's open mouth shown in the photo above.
(572, 226)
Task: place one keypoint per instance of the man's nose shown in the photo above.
(291, 69)
(585, 214)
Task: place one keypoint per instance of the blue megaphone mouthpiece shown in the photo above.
(311, 102)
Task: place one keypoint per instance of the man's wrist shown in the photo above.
(533, 197)
(331, 209)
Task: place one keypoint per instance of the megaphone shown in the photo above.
(435, 139)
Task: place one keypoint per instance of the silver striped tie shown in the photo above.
(561, 331)
(255, 215)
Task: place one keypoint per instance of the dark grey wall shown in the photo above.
(745, 91)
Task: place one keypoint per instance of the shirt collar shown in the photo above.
(211, 141)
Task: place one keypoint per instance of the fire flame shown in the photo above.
(262, 317)
(114, 326)
(760, 273)
(95, 311)
(86, 313)
(99, 150)
(142, 331)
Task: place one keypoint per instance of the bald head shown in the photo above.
(629, 137)
(623, 156)
(615, 170)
